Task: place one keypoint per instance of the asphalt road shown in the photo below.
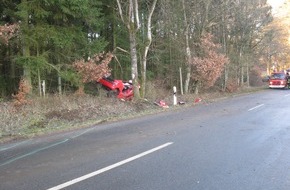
(240, 143)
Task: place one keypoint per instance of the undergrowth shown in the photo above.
(53, 113)
(59, 113)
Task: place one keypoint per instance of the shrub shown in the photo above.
(23, 90)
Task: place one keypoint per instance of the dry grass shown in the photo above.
(58, 113)
(53, 113)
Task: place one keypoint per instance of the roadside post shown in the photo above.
(174, 96)
(43, 88)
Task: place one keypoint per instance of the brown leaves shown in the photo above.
(23, 89)
(7, 32)
(95, 68)
(209, 65)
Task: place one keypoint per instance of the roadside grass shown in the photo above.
(61, 113)
(58, 113)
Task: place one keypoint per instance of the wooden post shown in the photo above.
(181, 85)
(59, 85)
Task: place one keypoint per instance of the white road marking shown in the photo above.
(80, 134)
(287, 95)
(256, 107)
(33, 152)
(37, 150)
(82, 178)
(15, 145)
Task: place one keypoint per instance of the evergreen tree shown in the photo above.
(54, 34)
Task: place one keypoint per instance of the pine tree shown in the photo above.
(53, 34)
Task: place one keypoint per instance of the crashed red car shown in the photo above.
(118, 88)
(278, 80)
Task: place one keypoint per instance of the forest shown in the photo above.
(196, 45)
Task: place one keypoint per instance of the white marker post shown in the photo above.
(174, 96)
(43, 88)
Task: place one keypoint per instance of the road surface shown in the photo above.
(239, 143)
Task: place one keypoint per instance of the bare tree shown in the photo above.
(131, 19)
(249, 19)
(188, 51)
(129, 13)
(147, 46)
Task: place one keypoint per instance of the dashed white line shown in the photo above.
(82, 178)
(256, 107)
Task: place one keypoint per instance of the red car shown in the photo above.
(118, 88)
(278, 80)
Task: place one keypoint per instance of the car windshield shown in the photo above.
(278, 76)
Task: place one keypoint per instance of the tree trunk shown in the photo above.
(39, 82)
(59, 85)
(12, 73)
(147, 46)
(188, 53)
(248, 73)
(132, 23)
(134, 63)
(224, 40)
(26, 68)
(26, 53)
